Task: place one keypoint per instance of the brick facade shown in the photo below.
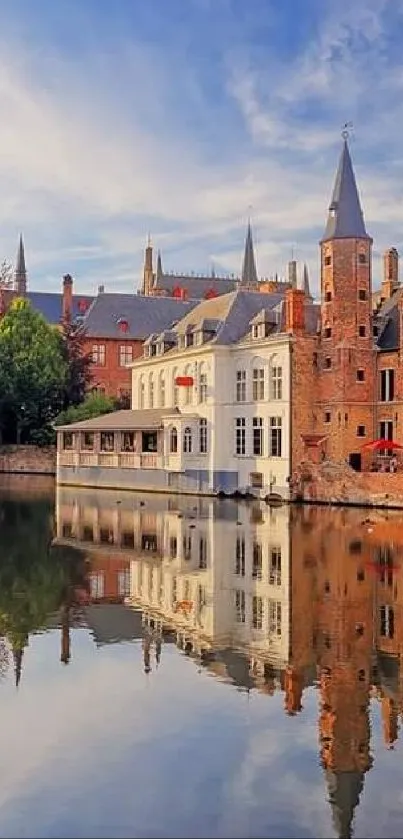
(110, 376)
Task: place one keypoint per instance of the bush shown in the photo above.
(93, 406)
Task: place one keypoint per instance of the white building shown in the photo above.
(222, 377)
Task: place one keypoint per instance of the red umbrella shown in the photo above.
(375, 445)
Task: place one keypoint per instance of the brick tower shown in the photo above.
(148, 271)
(346, 356)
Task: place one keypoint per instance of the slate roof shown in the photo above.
(112, 623)
(197, 287)
(50, 303)
(144, 315)
(387, 321)
(233, 314)
(126, 420)
(345, 220)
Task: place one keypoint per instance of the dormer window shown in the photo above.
(153, 349)
(190, 339)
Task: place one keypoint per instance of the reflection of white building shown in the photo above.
(223, 579)
(215, 571)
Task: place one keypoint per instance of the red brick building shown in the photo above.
(338, 389)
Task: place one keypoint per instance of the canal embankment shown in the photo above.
(28, 460)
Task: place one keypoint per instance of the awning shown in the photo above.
(376, 445)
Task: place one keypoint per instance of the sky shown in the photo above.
(180, 120)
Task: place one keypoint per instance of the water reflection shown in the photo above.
(274, 600)
(284, 605)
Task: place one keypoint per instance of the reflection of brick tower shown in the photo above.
(345, 614)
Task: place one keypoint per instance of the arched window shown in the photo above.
(173, 441)
(202, 383)
(151, 391)
(189, 389)
(203, 436)
(187, 440)
(175, 389)
(161, 395)
(141, 392)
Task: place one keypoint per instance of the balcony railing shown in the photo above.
(108, 460)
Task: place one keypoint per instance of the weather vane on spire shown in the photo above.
(347, 128)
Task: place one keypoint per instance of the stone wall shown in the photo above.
(337, 483)
(29, 460)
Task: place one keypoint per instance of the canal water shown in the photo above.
(175, 667)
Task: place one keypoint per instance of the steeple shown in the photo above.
(18, 653)
(148, 275)
(159, 267)
(345, 789)
(20, 270)
(305, 283)
(345, 219)
(249, 273)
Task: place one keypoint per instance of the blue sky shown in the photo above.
(175, 118)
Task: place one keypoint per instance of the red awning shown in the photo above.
(375, 445)
(184, 381)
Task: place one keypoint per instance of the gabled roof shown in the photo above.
(345, 219)
(233, 312)
(197, 287)
(387, 320)
(142, 315)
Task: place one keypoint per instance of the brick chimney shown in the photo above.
(390, 280)
(294, 310)
(67, 305)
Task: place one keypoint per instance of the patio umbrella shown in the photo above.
(375, 445)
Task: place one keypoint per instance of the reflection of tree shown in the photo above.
(36, 580)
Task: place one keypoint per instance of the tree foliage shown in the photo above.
(94, 405)
(78, 363)
(33, 374)
(36, 578)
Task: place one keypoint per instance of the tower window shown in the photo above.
(327, 416)
(362, 331)
(328, 260)
(362, 294)
(360, 375)
(360, 430)
(328, 296)
(328, 332)
(328, 363)
(362, 258)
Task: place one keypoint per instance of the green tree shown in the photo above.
(33, 374)
(94, 405)
(78, 362)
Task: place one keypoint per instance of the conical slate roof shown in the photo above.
(345, 219)
(345, 789)
(249, 273)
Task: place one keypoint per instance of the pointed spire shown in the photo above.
(159, 266)
(345, 789)
(17, 656)
(305, 282)
(249, 273)
(345, 219)
(20, 270)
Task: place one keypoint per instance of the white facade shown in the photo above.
(234, 424)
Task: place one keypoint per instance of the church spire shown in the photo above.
(249, 273)
(159, 266)
(20, 270)
(345, 219)
(18, 653)
(305, 282)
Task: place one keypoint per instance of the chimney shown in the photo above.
(292, 273)
(294, 310)
(67, 305)
(390, 280)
